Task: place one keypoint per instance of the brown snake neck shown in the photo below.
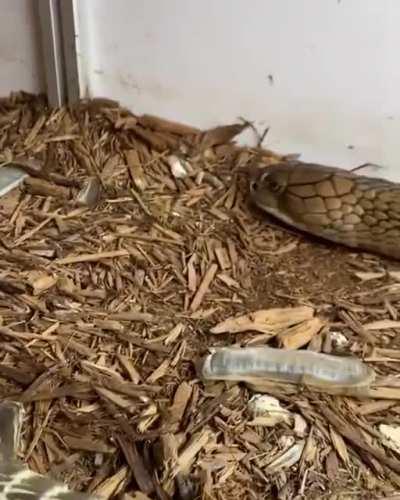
(338, 205)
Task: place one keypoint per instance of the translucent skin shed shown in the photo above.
(337, 205)
(251, 363)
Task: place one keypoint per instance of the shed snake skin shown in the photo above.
(17, 481)
(338, 205)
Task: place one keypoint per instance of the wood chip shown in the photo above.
(180, 402)
(74, 259)
(286, 459)
(41, 282)
(88, 444)
(159, 372)
(269, 321)
(188, 454)
(136, 464)
(381, 325)
(163, 125)
(110, 486)
(132, 316)
(221, 135)
(41, 187)
(203, 287)
(301, 334)
(135, 169)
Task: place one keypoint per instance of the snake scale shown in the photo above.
(335, 204)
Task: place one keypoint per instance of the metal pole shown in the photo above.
(58, 32)
(70, 37)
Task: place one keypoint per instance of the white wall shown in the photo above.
(334, 63)
(20, 62)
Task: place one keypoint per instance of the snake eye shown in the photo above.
(274, 186)
(267, 182)
(270, 183)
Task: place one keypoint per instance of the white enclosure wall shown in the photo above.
(20, 51)
(324, 75)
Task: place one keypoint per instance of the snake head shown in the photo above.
(267, 186)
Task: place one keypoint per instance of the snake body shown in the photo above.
(335, 204)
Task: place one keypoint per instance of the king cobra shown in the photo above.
(338, 205)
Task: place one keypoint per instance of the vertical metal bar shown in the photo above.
(58, 31)
(52, 51)
(69, 38)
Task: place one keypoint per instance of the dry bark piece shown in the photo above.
(42, 187)
(130, 368)
(379, 390)
(180, 402)
(116, 399)
(187, 456)
(136, 169)
(382, 324)
(270, 321)
(332, 465)
(356, 438)
(300, 335)
(136, 464)
(41, 281)
(111, 486)
(74, 259)
(12, 286)
(203, 287)
(357, 327)
(372, 407)
(164, 125)
(132, 316)
(159, 372)
(366, 276)
(22, 376)
(287, 458)
(88, 444)
(220, 135)
(98, 103)
(157, 141)
(340, 446)
(391, 434)
(174, 334)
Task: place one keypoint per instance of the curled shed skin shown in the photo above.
(354, 210)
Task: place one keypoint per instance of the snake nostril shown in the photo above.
(253, 186)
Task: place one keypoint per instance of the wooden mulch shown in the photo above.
(107, 300)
